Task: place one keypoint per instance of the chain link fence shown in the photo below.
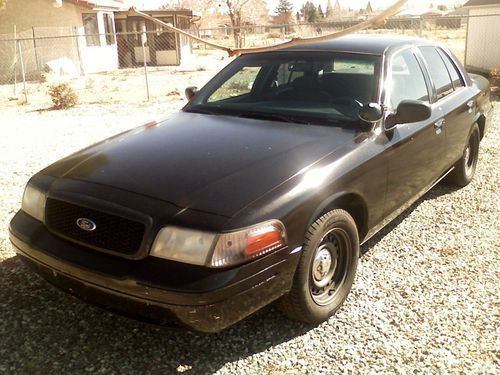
(138, 66)
(449, 30)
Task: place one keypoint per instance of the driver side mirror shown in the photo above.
(190, 92)
(412, 111)
(409, 111)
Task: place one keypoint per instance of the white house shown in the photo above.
(482, 51)
(99, 52)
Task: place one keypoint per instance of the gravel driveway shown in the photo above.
(426, 297)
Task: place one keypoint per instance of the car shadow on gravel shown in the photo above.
(436, 192)
(43, 329)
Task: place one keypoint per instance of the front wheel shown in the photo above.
(466, 167)
(326, 269)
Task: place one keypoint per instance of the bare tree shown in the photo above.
(240, 11)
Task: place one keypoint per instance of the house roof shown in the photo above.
(420, 12)
(92, 4)
(480, 3)
(163, 12)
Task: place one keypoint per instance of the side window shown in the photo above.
(406, 80)
(452, 69)
(437, 70)
(354, 66)
(239, 84)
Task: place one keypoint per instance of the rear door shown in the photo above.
(415, 150)
(453, 98)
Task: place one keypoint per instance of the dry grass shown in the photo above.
(62, 96)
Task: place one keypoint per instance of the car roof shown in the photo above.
(361, 43)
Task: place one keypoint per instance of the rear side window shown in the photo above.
(452, 69)
(354, 66)
(406, 80)
(290, 71)
(437, 70)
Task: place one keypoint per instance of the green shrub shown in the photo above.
(62, 96)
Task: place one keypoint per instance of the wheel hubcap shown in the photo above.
(469, 157)
(324, 265)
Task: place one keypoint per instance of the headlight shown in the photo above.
(219, 250)
(34, 202)
(183, 245)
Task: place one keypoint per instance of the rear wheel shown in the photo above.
(466, 167)
(326, 269)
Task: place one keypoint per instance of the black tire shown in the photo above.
(465, 168)
(333, 236)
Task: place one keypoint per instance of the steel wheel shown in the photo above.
(326, 268)
(328, 271)
(470, 156)
(466, 166)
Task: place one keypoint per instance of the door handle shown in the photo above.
(438, 125)
(470, 105)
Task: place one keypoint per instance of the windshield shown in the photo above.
(304, 87)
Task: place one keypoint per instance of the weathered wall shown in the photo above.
(483, 40)
(28, 13)
(48, 34)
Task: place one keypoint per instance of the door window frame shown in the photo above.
(460, 72)
(444, 56)
(449, 92)
(428, 83)
(92, 39)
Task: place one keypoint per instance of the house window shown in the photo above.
(91, 29)
(108, 29)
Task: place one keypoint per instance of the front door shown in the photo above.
(415, 151)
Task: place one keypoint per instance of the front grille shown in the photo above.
(111, 233)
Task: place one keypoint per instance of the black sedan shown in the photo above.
(262, 188)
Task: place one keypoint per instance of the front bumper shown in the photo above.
(209, 302)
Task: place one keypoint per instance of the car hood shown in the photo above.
(216, 164)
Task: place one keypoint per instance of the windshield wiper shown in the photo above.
(347, 123)
(272, 117)
(201, 111)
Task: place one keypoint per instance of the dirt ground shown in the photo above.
(124, 86)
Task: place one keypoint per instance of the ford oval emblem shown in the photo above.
(86, 224)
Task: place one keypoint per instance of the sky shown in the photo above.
(359, 4)
(353, 4)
